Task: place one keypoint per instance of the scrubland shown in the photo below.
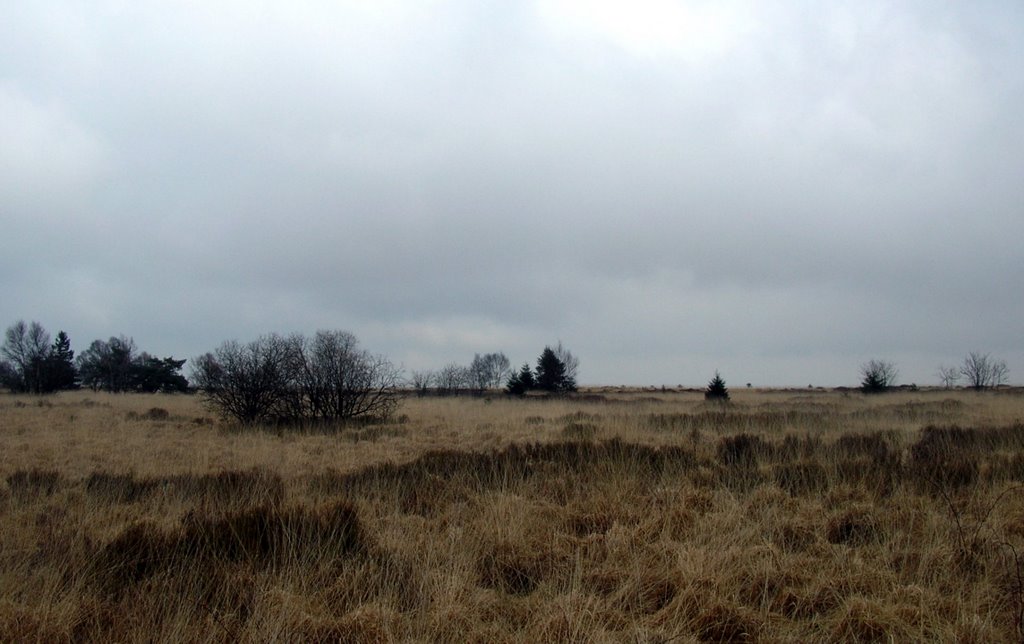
(615, 516)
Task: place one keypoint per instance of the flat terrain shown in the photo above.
(619, 516)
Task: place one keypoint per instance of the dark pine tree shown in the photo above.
(550, 372)
(520, 382)
(60, 365)
(716, 389)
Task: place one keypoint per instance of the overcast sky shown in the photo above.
(779, 190)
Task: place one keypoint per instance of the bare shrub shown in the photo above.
(297, 380)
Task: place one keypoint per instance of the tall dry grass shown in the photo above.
(642, 516)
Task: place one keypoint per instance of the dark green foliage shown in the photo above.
(108, 364)
(9, 376)
(552, 374)
(151, 374)
(716, 389)
(113, 365)
(521, 382)
(60, 368)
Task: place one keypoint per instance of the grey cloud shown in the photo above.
(841, 182)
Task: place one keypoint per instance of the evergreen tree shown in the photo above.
(60, 370)
(526, 377)
(151, 374)
(716, 389)
(520, 382)
(551, 373)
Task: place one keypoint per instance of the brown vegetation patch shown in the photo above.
(742, 450)
(153, 413)
(33, 482)
(863, 620)
(721, 622)
(945, 457)
(426, 485)
(512, 568)
(799, 478)
(256, 536)
(855, 526)
(230, 487)
(579, 431)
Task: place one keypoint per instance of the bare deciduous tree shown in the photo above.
(452, 378)
(949, 376)
(421, 381)
(569, 361)
(489, 371)
(27, 346)
(981, 371)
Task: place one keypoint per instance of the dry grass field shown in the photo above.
(617, 516)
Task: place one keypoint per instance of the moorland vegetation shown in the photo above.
(611, 515)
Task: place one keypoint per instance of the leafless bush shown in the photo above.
(297, 380)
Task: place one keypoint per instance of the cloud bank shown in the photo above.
(781, 191)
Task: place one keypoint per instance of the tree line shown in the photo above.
(555, 372)
(978, 371)
(31, 363)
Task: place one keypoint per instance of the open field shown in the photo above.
(640, 516)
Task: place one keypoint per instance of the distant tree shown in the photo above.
(108, 364)
(60, 369)
(520, 382)
(551, 373)
(488, 371)
(421, 381)
(478, 374)
(150, 374)
(27, 347)
(9, 377)
(981, 371)
(949, 376)
(452, 378)
(571, 364)
(716, 389)
(249, 382)
(339, 381)
(877, 376)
